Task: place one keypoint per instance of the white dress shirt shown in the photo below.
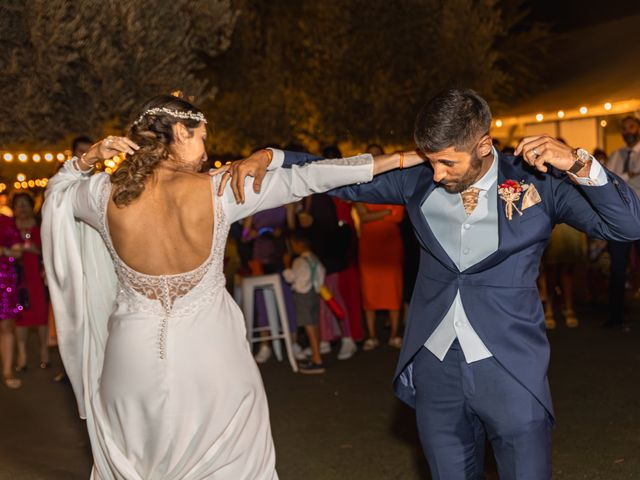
(616, 165)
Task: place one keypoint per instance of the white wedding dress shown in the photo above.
(160, 365)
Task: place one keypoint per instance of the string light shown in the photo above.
(34, 157)
(22, 183)
(112, 164)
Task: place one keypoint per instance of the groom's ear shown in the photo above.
(485, 146)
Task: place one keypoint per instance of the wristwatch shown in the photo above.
(582, 157)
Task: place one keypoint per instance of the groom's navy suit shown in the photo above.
(499, 293)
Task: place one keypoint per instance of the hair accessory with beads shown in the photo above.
(189, 115)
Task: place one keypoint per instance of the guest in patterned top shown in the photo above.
(9, 308)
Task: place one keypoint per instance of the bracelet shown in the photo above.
(401, 160)
(269, 154)
(82, 160)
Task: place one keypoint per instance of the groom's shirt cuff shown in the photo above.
(597, 176)
(277, 160)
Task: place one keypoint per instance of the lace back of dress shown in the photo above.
(170, 296)
(165, 289)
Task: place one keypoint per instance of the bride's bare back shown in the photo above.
(169, 228)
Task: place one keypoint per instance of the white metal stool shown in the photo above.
(276, 313)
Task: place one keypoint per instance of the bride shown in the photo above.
(153, 344)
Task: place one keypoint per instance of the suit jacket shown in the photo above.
(499, 293)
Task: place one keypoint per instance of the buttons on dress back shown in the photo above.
(162, 340)
(167, 303)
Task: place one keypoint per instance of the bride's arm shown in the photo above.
(282, 186)
(389, 188)
(75, 188)
(75, 184)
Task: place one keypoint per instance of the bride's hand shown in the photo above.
(108, 148)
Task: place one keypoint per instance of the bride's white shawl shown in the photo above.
(80, 275)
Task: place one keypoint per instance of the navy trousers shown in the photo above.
(458, 405)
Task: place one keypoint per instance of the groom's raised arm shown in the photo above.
(592, 199)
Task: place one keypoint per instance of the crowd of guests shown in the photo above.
(343, 267)
(348, 261)
(610, 268)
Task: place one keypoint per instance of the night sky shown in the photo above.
(566, 15)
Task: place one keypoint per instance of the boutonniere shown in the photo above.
(510, 192)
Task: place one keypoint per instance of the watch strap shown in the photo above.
(580, 162)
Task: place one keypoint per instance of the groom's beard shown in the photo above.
(469, 178)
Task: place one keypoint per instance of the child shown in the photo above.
(306, 276)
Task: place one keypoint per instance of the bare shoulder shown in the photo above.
(177, 192)
(188, 183)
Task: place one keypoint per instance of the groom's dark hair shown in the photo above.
(453, 118)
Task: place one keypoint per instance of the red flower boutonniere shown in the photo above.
(510, 192)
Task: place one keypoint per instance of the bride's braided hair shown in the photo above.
(153, 133)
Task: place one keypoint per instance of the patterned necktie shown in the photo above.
(627, 162)
(470, 199)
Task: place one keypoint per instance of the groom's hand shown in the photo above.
(254, 166)
(542, 150)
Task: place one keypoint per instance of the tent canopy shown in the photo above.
(589, 67)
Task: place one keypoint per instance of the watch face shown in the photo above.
(583, 155)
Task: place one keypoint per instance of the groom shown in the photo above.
(475, 356)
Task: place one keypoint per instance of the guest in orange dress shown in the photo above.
(380, 255)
